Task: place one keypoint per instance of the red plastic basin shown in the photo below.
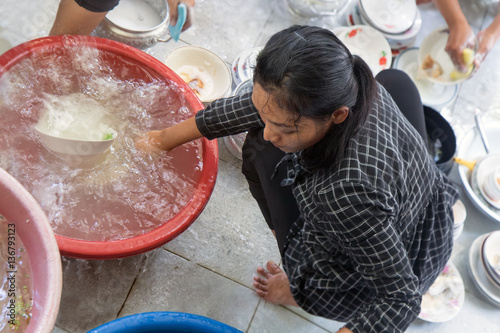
(141, 65)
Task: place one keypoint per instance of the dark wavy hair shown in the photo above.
(309, 72)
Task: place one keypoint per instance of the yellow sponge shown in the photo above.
(468, 56)
(457, 75)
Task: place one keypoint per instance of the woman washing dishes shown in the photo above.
(361, 214)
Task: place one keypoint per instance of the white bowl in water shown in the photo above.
(204, 71)
(75, 147)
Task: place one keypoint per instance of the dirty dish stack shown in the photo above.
(244, 64)
(484, 264)
(368, 43)
(234, 143)
(398, 21)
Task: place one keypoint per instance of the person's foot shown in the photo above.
(272, 285)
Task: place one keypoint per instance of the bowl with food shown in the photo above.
(204, 71)
(436, 65)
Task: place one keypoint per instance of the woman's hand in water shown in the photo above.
(150, 142)
(170, 137)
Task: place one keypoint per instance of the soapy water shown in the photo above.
(16, 292)
(135, 15)
(121, 193)
(88, 123)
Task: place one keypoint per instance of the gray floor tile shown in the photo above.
(230, 237)
(171, 283)
(271, 318)
(94, 291)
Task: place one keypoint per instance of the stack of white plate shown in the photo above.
(399, 20)
(484, 264)
(368, 43)
(244, 65)
(234, 143)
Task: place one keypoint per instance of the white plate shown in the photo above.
(396, 42)
(479, 175)
(432, 94)
(369, 44)
(471, 148)
(235, 71)
(489, 252)
(393, 17)
(434, 45)
(449, 298)
(478, 273)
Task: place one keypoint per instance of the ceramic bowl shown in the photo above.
(369, 44)
(393, 17)
(247, 63)
(479, 276)
(397, 42)
(459, 216)
(445, 298)
(63, 145)
(204, 71)
(490, 254)
(432, 50)
(479, 176)
(434, 95)
(491, 187)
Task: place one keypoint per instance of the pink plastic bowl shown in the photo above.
(141, 66)
(34, 230)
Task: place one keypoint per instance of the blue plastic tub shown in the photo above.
(171, 322)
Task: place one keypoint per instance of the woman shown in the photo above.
(361, 214)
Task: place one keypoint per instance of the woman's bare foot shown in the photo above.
(273, 285)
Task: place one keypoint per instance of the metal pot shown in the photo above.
(313, 8)
(112, 26)
(442, 142)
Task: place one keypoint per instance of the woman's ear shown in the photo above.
(339, 115)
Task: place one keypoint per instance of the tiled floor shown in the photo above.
(208, 269)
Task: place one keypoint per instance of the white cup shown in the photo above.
(491, 185)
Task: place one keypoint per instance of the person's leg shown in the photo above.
(80, 19)
(276, 202)
(406, 95)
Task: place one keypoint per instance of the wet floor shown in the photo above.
(208, 269)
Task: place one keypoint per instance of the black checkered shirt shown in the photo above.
(374, 232)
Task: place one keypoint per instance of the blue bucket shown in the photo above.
(171, 322)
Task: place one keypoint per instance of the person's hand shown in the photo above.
(461, 37)
(487, 39)
(172, 5)
(149, 142)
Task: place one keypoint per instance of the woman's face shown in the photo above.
(283, 129)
